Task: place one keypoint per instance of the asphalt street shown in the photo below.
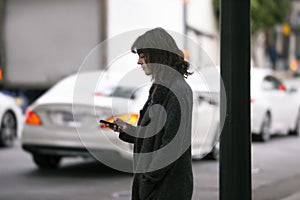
(275, 175)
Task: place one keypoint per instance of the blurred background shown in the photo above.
(43, 42)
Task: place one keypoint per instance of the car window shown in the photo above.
(130, 92)
(212, 98)
(123, 92)
(271, 83)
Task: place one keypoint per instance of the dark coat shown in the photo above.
(162, 160)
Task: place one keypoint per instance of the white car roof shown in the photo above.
(62, 92)
(205, 80)
(257, 76)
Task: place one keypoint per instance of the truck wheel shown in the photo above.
(8, 129)
(46, 161)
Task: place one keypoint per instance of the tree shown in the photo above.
(264, 13)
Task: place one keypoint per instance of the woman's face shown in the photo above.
(142, 62)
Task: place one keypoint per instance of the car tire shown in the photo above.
(8, 131)
(264, 135)
(214, 154)
(46, 161)
(296, 132)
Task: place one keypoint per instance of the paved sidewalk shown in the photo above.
(295, 196)
(286, 188)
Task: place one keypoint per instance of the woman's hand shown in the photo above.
(121, 125)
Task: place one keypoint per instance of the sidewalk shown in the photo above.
(286, 188)
(295, 196)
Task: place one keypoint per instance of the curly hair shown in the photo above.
(159, 47)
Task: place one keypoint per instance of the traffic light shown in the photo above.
(286, 29)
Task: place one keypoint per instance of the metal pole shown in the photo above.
(2, 45)
(235, 142)
(185, 22)
(103, 14)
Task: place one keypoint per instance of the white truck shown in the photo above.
(44, 41)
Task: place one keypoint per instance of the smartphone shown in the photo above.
(109, 124)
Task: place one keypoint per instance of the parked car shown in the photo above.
(275, 109)
(11, 120)
(59, 125)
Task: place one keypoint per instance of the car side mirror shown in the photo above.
(208, 99)
(133, 96)
(292, 90)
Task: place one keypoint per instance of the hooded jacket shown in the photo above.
(162, 144)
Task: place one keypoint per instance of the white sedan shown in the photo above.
(64, 121)
(275, 109)
(11, 120)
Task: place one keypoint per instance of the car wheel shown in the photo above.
(264, 135)
(46, 161)
(296, 132)
(8, 129)
(214, 154)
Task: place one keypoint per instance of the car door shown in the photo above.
(277, 97)
(205, 121)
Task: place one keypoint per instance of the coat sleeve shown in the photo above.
(128, 137)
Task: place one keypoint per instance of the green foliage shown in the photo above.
(216, 6)
(264, 13)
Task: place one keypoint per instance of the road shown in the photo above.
(275, 175)
(75, 179)
(274, 163)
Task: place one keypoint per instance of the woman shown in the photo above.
(162, 139)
